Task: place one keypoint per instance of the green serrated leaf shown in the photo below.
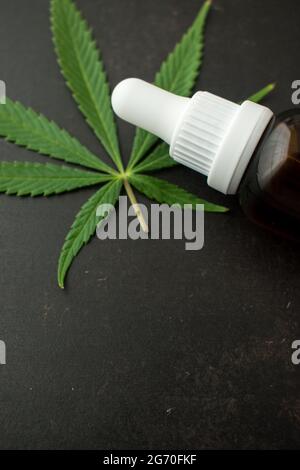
(36, 179)
(259, 95)
(82, 68)
(85, 225)
(157, 160)
(26, 128)
(177, 74)
(165, 192)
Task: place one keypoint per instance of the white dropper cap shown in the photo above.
(209, 134)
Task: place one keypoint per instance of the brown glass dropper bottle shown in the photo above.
(269, 192)
(242, 149)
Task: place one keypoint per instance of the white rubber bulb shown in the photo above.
(148, 107)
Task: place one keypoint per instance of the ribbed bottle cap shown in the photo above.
(209, 134)
(201, 131)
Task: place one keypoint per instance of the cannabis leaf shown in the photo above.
(85, 225)
(165, 192)
(82, 67)
(25, 127)
(177, 74)
(157, 160)
(36, 179)
(83, 70)
(259, 95)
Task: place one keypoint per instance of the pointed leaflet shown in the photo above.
(26, 128)
(85, 225)
(160, 158)
(36, 179)
(259, 95)
(157, 160)
(81, 66)
(165, 192)
(177, 74)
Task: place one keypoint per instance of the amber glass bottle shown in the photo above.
(270, 189)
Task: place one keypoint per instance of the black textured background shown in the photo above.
(150, 346)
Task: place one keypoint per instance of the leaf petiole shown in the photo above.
(136, 206)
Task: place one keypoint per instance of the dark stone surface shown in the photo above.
(150, 346)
